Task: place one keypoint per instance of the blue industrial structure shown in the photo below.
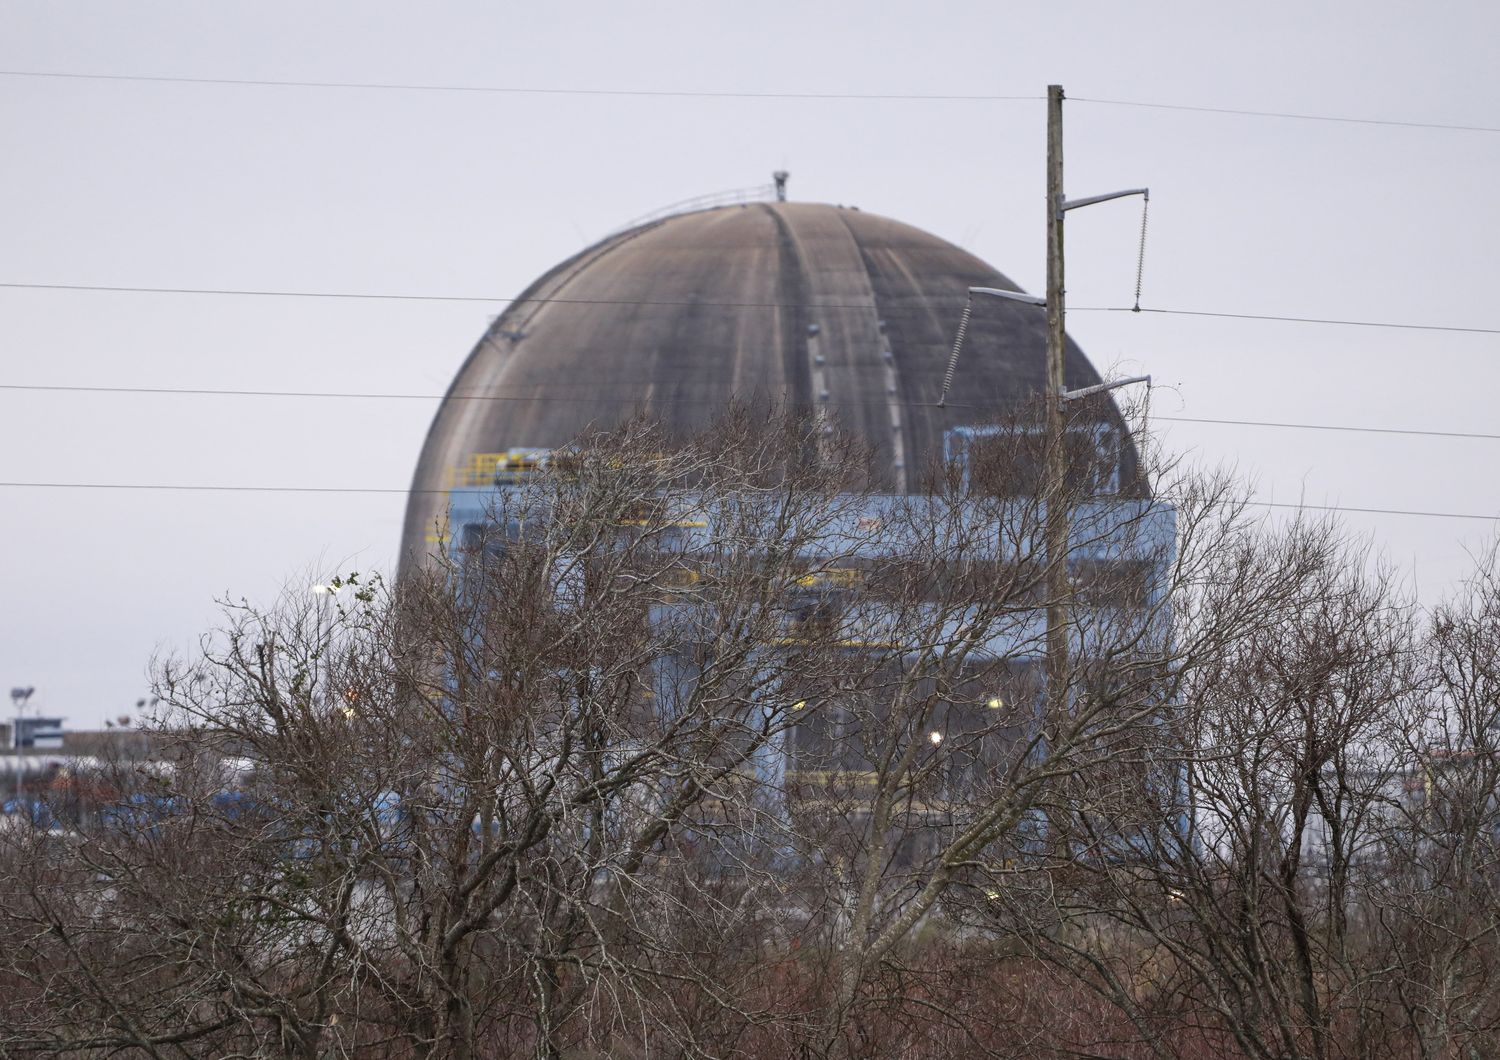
(1123, 542)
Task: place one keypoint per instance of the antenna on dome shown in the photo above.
(780, 178)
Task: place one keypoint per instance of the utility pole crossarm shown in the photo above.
(1073, 204)
(1099, 388)
(1014, 296)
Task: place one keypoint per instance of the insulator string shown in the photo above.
(1140, 257)
(958, 344)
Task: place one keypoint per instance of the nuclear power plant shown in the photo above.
(802, 305)
(853, 319)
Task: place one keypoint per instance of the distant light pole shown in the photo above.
(18, 696)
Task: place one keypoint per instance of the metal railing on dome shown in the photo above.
(734, 197)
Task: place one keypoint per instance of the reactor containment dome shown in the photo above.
(800, 304)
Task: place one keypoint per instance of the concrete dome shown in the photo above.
(807, 304)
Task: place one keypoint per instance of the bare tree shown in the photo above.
(1434, 907)
(471, 801)
(700, 748)
(1248, 911)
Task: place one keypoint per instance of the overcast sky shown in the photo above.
(415, 192)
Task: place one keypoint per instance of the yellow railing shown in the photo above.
(484, 469)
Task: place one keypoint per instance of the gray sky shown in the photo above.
(469, 193)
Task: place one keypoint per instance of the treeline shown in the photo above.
(701, 750)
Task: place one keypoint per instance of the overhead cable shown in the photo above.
(626, 399)
(378, 490)
(1344, 508)
(921, 97)
(1296, 116)
(525, 90)
(1288, 319)
(869, 306)
(1329, 427)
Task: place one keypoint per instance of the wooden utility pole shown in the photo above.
(1055, 491)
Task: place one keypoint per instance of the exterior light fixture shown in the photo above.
(936, 737)
(799, 704)
(995, 703)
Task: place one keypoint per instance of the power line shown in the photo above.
(230, 392)
(516, 90)
(1341, 508)
(640, 399)
(492, 300)
(267, 293)
(496, 300)
(1288, 319)
(376, 490)
(1330, 427)
(1342, 119)
(214, 488)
